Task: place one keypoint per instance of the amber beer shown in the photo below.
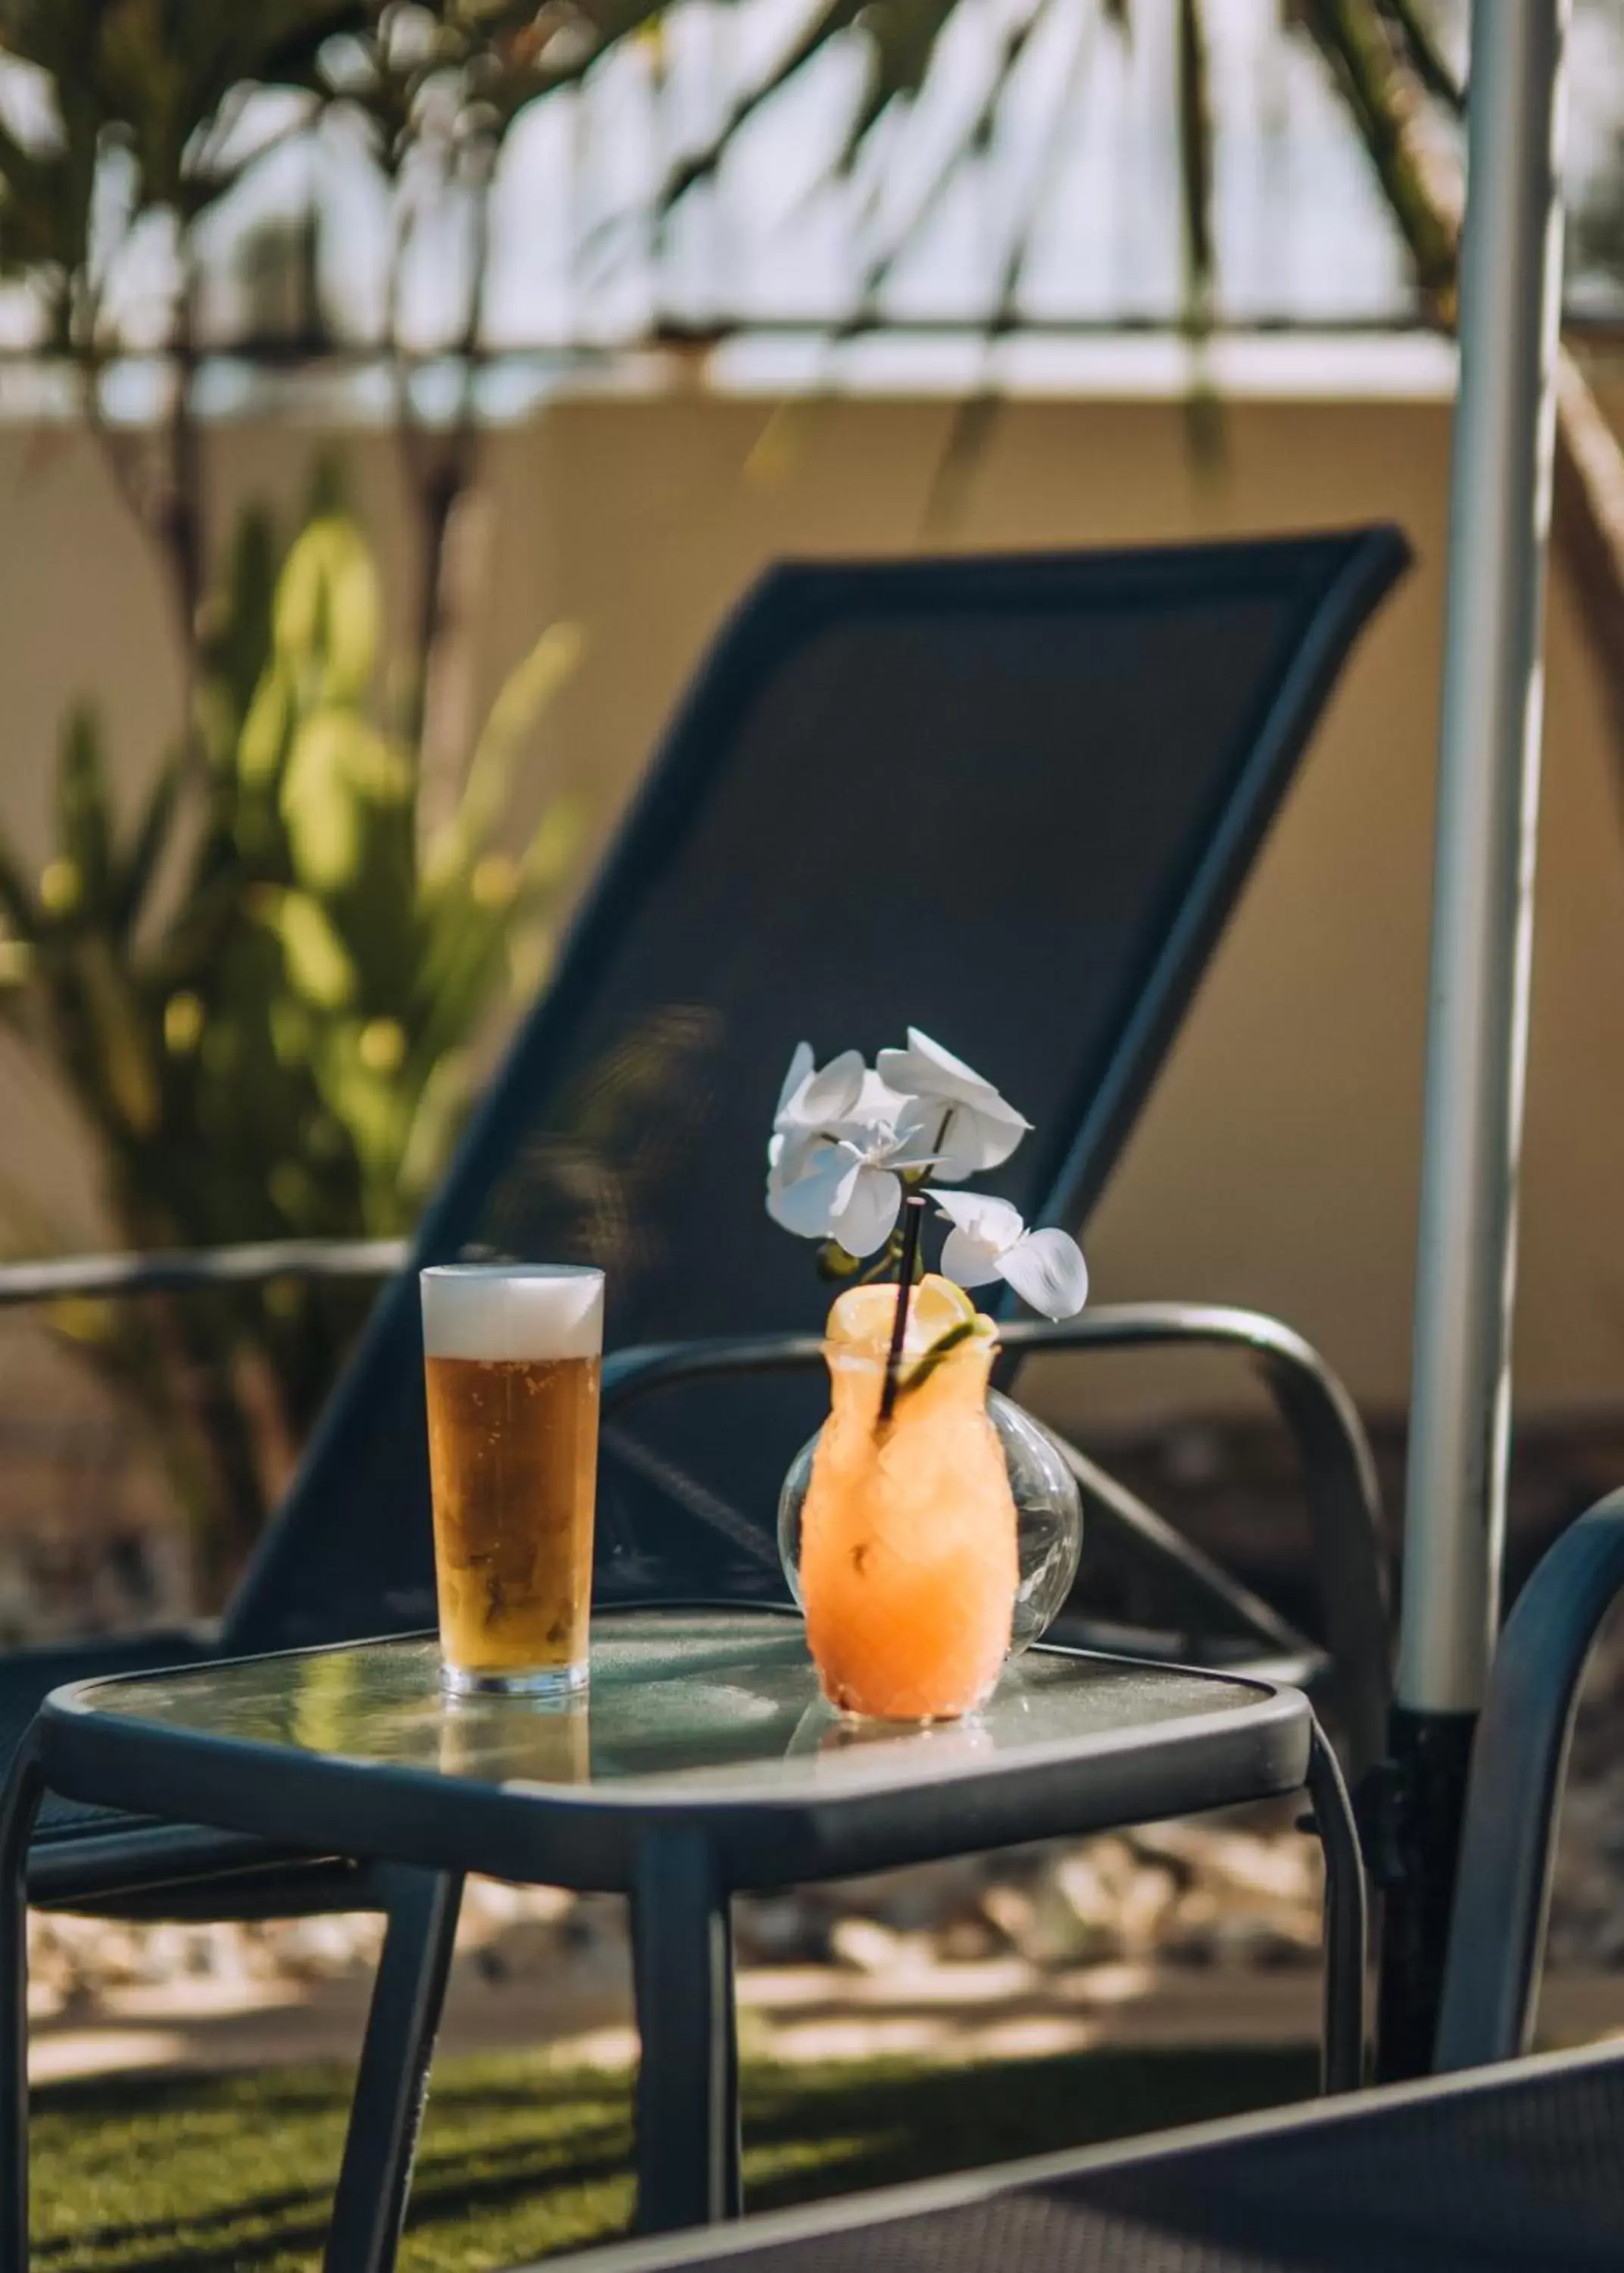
(513, 1354)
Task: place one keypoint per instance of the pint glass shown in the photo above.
(513, 1354)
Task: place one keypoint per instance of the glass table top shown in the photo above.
(718, 1702)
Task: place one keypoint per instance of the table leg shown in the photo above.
(369, 2205)
(18, 1806)
(687, 2080)
(1346, 1922)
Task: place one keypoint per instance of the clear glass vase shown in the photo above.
(927, 1549)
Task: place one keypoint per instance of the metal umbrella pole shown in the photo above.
(1488, 783)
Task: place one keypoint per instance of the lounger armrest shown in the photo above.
(631, 1374)
(1519, 1763)
(108, 1277)
(1339, 1473)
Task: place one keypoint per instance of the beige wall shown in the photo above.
(1276, 1165)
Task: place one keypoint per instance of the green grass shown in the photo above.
(172, 2175)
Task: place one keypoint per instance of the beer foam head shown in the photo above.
(514, 1310)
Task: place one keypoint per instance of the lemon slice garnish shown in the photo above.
(937, 1307)
(864, 1316)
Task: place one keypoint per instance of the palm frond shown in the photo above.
(19, 912)
(135, 872)
(904, 35)
(974, 138)
(1381, 98)
(1426, 57)
(830, 18)
(1195, 165)
(970, 432)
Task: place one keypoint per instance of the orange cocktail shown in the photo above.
(909, 1567)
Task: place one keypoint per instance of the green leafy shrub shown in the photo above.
(263, 995)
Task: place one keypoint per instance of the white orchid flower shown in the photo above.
(841, 1136)
(971, 1127)
(989, 1240)
(812, 1098)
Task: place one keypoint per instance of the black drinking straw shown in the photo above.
(913, 1219)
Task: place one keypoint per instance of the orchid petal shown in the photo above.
(1002, 1127)
(867, 1212)
(1046, 1269)
(977, 1128)
(800, 1066)
(976, 1137)
(930, 1070)
(808, 1204)
(831, 1093)
(914, 1131)
(967, 1262)
(993, 1222)
(958, 1155)
(878, 1101)
(821, 1099)
(791, 1154)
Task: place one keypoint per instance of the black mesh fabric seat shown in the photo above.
(1518, 2170)
(1012, 800)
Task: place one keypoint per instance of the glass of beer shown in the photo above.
(513, 1354)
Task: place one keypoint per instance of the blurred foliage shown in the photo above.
(160, 84)
(262, 995)
(163, 84)
(157, 91)
(261, 991)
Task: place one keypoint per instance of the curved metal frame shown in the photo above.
(1347, 1922)
(1502, 1888)
(172, 1270)
(1339, 1474)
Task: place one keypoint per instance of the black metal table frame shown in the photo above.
(680, 1864)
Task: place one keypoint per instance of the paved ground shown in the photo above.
(1000, 2008)
(1177, 1934)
